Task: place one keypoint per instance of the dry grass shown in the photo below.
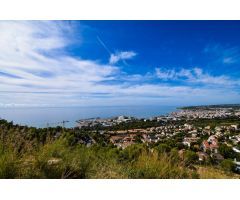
(58, 160)
(158, 166)
(214, 173)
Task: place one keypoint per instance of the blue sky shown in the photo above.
(99, 63)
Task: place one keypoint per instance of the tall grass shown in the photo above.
(8, 163)
(210, 172)
(58, 159)
(152, 165)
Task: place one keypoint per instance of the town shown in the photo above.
(209, 142)
(184, 113)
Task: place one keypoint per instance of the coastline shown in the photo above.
(41, 117)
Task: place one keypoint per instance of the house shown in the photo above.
(205, 146)
(238, 138)
(217, 157)
(237, 165)
(212, 138)
(218, 133)
(123, 119)
(137, 130)
(207, 128)
(235, 139)
(150, 138)
(189, 140)
(218, 129)
(202, 156)
(210, 144)
(188, 126)
(193, 132)
(235, 126)
(236, 149)
(214, 147)
(121, 132)
(116, 139)
(123, 141)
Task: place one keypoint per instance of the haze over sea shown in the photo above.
(40, 117)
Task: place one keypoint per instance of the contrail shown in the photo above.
(107, 49)
(104, 46)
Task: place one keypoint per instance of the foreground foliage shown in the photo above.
(38, 153)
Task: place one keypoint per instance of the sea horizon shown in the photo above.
(41, 117)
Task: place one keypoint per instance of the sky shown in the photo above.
(116, 63)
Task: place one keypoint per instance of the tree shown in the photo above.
(174, 155)
(138, 139)
(228, 165)
(190, 157)
(180, 145)
(163, 148)
(131, 153)
(226, 151)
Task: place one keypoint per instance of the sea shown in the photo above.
(54, 116)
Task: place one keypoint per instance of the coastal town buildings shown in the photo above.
(204, 140)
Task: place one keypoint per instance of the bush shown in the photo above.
(226, 151)
(131, 153)
(228, 165)
(8, 163)
(190, 157)
(163, 148)
(151, 165)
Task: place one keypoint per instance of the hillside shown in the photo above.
(27, 152)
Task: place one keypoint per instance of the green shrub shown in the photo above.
(163, 148)
(226, 151)
(151, 165)
(190, 157)
(8, 163)
(228, 165)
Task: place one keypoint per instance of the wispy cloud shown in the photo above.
(195, 75)
(223, 54)
(26, 51)
(229, 60)
(122, 55)
(166, 74)
(36, 70)
(119, 55)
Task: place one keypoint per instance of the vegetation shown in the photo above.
(27, 152)
(228, 165)
(215, 122)
(227, 151)
(210, 172)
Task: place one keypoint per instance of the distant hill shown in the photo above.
(205, 107)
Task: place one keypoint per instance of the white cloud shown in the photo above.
(123, 55)
(165, 74)
(25, 51)
(35, 70)
(194, 75)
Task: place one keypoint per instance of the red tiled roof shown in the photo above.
(206, 144)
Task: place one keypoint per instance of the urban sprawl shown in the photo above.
(181, 126)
